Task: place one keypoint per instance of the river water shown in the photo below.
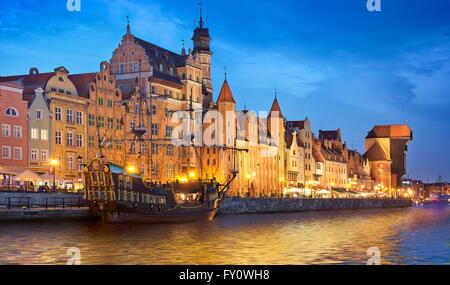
(418, 235)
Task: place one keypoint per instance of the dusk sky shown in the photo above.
(330, 60)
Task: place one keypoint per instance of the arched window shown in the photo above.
(10, 111)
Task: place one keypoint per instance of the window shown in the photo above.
(69, 139)
(169, 150)
(58, 136)
(69, 116)
(34, 154)
(166, 112)
(110, 123)
(118, 124)
(91, 120)
(100, 101)
(133, 148)
(17, 131)
(153, 90)
(161, 67)
(79, 140)
(154, 148)
(169, 131)
(44, 134)
(110, 103)
(142, 148)
(79, 118)
(122, 68)
(100, 121)
(39, 114)
(10, 111)
(18, 153)
(58, 112)
(34, 133)
(153, 109)
(132, 125)
(91, 141)
(135, 67)
(155, 129)
(70, 162)
(6, 152)
(6, 130)
(44, 154)
(137, 108)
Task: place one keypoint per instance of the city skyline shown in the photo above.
(311, 74)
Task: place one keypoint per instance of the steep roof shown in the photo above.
(30, 82)
(330, 135)
(316, 151)
(390, 131)
(82, 82)
(296, 124)
(225, 94)
(377, 153)
(276, 108)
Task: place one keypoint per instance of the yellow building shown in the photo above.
(68, 125)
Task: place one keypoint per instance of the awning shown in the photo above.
(27, 175)
(49, 177)
(12, 170)
(341, 190)
(295, 190)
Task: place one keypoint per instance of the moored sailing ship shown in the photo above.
(120, 197)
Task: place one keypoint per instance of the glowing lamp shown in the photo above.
(53, 162)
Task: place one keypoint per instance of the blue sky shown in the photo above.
(330, 60)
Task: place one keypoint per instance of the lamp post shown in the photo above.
(80, 168)
(54, 163)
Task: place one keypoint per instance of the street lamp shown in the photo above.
(54, 163)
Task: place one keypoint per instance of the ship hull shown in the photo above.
(113, 213)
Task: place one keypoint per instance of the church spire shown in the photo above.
(201, 16)
(128, 25)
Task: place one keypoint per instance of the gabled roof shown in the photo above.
(377, 153)
(225, 94)
(390, 131)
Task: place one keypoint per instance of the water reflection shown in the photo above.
(406, 235)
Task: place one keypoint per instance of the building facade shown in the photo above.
(14, 136)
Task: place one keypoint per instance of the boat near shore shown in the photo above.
(121, 197)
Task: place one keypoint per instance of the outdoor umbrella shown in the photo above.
(27, 175)
(49, 177)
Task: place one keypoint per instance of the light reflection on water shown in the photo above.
(417, 235)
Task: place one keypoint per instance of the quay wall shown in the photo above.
(37, 199)
(234, 205)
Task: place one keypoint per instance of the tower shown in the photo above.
(201, 40)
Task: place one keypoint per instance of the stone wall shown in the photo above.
(233, 205)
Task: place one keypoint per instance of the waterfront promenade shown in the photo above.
(31, 205)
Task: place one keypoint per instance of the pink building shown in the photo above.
(14, 132)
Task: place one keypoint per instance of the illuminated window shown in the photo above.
(34, 133)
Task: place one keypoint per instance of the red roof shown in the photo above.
(390, 131)
(30, 82)
(82, 82)
(276, 108)
(225, 94)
